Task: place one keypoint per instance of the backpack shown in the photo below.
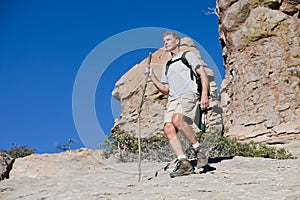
(193, 75)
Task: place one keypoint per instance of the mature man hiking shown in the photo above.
(178, 81)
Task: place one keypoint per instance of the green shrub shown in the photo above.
(224, 146)
(17, 151)
(126, 145)
(156, 147)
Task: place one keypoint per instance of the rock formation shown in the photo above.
(84, 174)
(261, 49)
(129, 91)
(6, 163)
(260, 97)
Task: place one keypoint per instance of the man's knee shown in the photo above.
(169, 129)
(177, 120)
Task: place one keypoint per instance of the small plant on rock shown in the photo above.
(18, 151)
(220, 146)
(156, 148)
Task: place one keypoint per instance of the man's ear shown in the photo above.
(177, 41)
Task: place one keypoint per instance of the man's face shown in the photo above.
(170, 43)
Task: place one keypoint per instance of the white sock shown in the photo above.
(181, 156)
(196, 145)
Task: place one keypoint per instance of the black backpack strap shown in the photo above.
(192, 72)
(185, 61)
(169, 63)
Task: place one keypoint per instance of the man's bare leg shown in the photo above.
(173, 139)
(179, 122)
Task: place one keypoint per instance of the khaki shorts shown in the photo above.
(188, 106)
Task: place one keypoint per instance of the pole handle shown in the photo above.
(149, 58)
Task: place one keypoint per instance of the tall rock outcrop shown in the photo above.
(260, 95)
(6, 164)
(129, 91)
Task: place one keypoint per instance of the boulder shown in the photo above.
(6, 163)
(260, 95)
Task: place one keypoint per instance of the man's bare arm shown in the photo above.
(204, 102)
(162, 87)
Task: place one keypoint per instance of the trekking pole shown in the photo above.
(139, 120)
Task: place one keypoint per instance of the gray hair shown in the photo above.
(174, 34)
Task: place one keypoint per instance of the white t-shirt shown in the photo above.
(178, 77)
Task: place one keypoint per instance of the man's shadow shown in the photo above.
(208, 168)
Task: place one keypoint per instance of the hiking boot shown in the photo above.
(183, 167)
(198, 154)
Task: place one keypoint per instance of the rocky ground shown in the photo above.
(84, 174)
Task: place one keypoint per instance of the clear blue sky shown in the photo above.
(43, 44)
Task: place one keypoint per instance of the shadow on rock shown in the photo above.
(208, 168)
(219, 159)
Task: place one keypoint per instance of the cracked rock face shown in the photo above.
(6, 163)
(260, 95)
(129, 92)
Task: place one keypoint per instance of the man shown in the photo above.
(183, 98)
